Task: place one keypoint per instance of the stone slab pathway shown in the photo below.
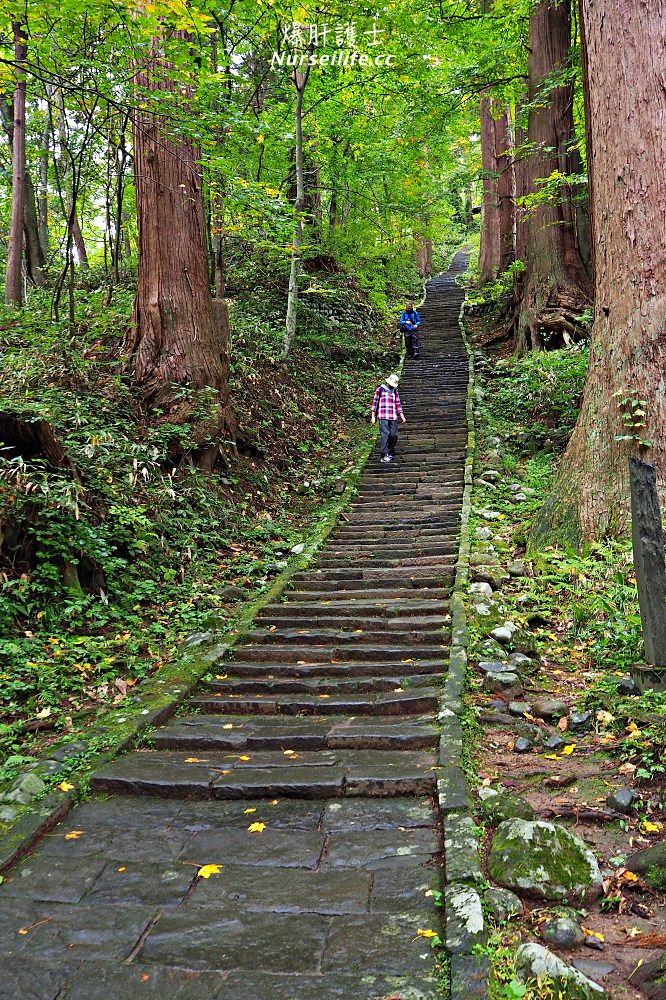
(320, 728)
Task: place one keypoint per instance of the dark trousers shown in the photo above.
(388, 430)
(411, 341)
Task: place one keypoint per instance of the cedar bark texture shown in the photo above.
(178, 340)
(489, 252)
(506, 187)
(556, 287)
(626, 41)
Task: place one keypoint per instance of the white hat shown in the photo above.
(393, 381)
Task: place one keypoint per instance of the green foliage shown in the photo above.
(111, 558)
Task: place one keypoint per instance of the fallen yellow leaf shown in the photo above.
(629, 876)
(426, 933)
(65, 786)
(324, 696)
(73, 834)
(248, 811)
(207, 870)
(568, 749)
(221, 677)
(194, 760)
(256, 827)
(551, 756)
(648, 827)
(121, 869)
(594, 934)
(229, 725)
(244, 757)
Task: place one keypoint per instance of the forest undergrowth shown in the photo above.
(577, 615)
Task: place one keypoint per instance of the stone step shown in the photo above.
(269, 774)
(412, 603)
(323, 617)
(385, 652)
(395, 703)
(331, 636)
(260, 732)
(276, 684)
(374, 561)
(347, 590)
(347, 668)
(356, 579)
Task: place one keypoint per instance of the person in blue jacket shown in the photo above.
(410, 321)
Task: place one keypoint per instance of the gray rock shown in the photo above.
(523, 745)
(520, 661)
(627, 685)
(482, 609)
(498, 805)
(650, 978)
(503, 904)
(492, 667)
(502, 634)
(465, 926)
(580, 722)
(516, 568)
(622, 799)
(491, 474)
(231, 593)
(492, 650)
(519, 497)
(8, 813)
(481, 588)
(553, 742)
(593, 970)
(68, 750)
(500, 682)
(484, 532)
(487, 574)
(25, 789)
(519, 707)
(482, 559)
(594, 944)
(197, 639)
(490, 515)
(297, 549)
(533, 961)
(549, 708)
(562, 933)
(650, 864)
(544, 861)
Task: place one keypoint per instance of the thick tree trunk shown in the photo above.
(522, 176)
(626, 41)
(556, 286)
(506, 187)
(177, 340)
(34, 246)
(489, 253)
(14, 273)
(300, 81)
(424, 256)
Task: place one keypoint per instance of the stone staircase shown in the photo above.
(305, 771)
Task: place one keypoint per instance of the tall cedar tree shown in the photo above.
(14, 273)
(490, 247)
(556, 285)
(626, 42)
(178, 341)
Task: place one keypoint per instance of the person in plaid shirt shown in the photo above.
(386, 407)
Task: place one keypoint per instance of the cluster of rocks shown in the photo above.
(30, 785)
(338, 311)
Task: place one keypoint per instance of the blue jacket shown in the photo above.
(412, 317)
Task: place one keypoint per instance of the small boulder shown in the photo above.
(544, 861)
(650, 864)
(481, 588)
(497, 805)
(553, 743)
(521, 662)
(500, 682)
(627, 685)
(465, 926)
(484, 533)
(549, 708)
(482, 559)
(523, 745)
(533, 961)
(621, 800)
(231, 593)
(492, 667)
(580, 722)
(562, 933)
(25, 789)
(519, 708)
(502, 634)
(503, 904)
(516, 568)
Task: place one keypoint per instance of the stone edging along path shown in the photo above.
(281, 837)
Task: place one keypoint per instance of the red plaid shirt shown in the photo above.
(386, 403)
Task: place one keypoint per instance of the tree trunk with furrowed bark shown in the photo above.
(179, 343)
(626, 41)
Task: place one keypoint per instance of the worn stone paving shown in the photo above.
(320, 728)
